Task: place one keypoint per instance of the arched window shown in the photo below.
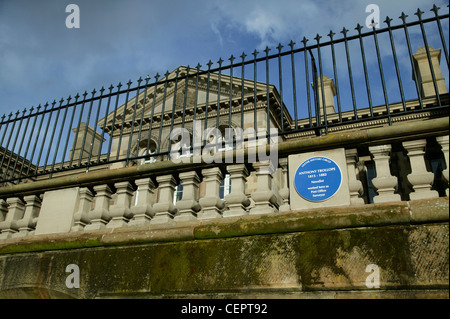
(148, 154)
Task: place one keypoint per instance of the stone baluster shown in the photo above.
(164, 208)
(236, 200)
(188, 206)
(443, 141)
(81, 217)
(211, 204)
(28, 223)
(284, 191)
(264, 198)
(121, 213)
(3, 210)
(143, 210)
(420, 179)
(384, 184)
(15, 212)
(355, 186)
(99, 216)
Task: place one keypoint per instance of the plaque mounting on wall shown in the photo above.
(318, 179)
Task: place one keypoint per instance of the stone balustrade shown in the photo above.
(150, 200)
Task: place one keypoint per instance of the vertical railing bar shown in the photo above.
(51, 139)
(333, 56)
(162, 110)
(218, 91)
(113, 124)
(75, 139)
(415, 76)
(95, 129)
(325, 121)
(3, 137)
(86, 128)
(383, 83)
(6, 129)
(427, 49)
(435, 9)
(207, 101)
(394, 53)
(108, 103)
(317, 130)
(196, 93)
(123, 119)
(231, 59)
(69, 131)
(366, 77)
(173, 106)
(280, 80)
(45, 137)
(14, 146)
(255, 96)
(130, 138)
(29, 142)
(21, 144)
(37, 139)
(242, 88)
(141, 121)
(350, 74)
(59, 137)
(147, 151)
(194, 151)
(308, 93)
(267, 95)
(186, 80)
(294, 87)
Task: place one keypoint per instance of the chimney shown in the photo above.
(78, 148)
(423, 72)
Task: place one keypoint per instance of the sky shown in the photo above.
(42, 60)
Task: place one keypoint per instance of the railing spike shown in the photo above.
(331, 34)
(435, 9)
(419, 13)
(388, 21)
(279, 47)
(403, 17)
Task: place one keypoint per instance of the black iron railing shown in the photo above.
(372, 70)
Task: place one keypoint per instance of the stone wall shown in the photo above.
(310, 254)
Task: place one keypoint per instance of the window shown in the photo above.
(178, 194)
(225, 186)
(151, 150)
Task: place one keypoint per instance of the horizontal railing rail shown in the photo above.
(315, 87)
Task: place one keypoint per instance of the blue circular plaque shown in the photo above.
(318, 179)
